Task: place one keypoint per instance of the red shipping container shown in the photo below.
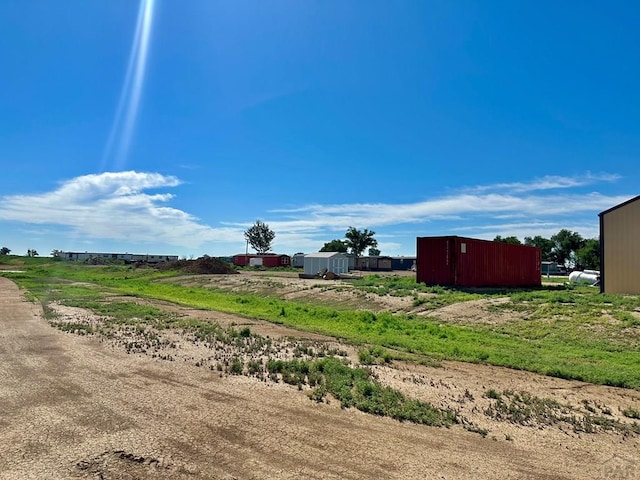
(469, 262)
(268, 260)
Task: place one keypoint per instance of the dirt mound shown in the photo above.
(202, 265)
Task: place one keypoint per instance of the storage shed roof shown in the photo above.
(323, 254)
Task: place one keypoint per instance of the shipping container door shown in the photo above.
(435, 261)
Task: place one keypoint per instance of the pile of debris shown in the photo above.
(324, 274)
(200, 266)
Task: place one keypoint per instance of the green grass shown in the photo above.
(20, 261)
(355, 388)
(555, 279)
(406, 286)
(560, 332)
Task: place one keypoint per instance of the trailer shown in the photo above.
(262, 260)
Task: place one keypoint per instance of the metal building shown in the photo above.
(552, 268)
(319, 262)
(403, 263)
(620, 248)
(375, 263)
(119, 257)
(469, 262)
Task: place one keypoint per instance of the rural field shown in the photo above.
(117, 372)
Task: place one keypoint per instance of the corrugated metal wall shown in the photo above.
(241, 260)
(271, 261)
(469, 262)
(620, 235)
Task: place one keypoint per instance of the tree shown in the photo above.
(588, 257)
(511, 240)
(544, 244)
(335, 246)
(565, 245)
(358, 240)
(374, 252)
(260, 236)
(5, 251)
(32, 253)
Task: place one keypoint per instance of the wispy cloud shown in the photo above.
(114, 205)
(548, 182)
(119, 206)
(541, 206)
(454, 207)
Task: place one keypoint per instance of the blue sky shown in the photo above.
(170, 127)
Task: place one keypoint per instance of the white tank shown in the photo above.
(588, 276)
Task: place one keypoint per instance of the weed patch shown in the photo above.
(355, 388)
(525, 409)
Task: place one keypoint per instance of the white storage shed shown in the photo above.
(335, 262)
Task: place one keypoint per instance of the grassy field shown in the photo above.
(573, 333)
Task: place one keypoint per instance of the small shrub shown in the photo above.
(254, 367)
(374, 356)
(631, 413)
(236, 366)
(365, 357)
(417, 301)
(475, 429)
(491, 393)
(318, 394)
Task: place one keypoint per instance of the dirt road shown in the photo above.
(71, 407)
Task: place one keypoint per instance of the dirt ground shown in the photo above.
(76, 406)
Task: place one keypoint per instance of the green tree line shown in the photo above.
(566, 248)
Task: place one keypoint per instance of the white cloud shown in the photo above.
(455, 207)
(549, 182)
(118, 206)
(113, 205)
(540, 207)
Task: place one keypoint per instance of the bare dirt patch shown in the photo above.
(342, 294)
(475, 311)
(80, 406)
(455, 386)
(288, 286)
